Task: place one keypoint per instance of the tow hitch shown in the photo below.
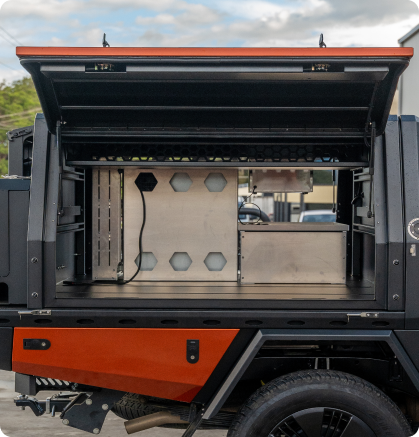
(85, 411)
(52, 405)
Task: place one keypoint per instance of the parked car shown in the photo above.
(321, 215)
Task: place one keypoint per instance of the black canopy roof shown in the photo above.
(206, 95)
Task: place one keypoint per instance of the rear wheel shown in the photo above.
(319, 403)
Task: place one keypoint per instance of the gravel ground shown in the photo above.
(17, 423)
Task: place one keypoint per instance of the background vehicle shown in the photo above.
(318, 216)
(127, 280)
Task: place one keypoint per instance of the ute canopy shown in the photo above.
(326, 91)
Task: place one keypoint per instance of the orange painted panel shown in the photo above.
(392, 52)
(146, 361)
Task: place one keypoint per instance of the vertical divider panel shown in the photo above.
(106, 223)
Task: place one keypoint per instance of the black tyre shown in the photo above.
(131, 406)
(319, 403)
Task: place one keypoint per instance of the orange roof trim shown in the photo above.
(393, 52)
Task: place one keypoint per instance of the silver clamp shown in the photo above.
(364, 315)
(34, 313)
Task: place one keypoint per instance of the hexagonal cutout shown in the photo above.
(148, 261)
(215, 261)
(215, 182)
(146, 182)
(181, 182)
(180, 261)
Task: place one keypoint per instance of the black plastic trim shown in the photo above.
(6, 348)
(198, 319)
(225, 365)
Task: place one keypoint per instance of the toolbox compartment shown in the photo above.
(293, 253)
(109, 120)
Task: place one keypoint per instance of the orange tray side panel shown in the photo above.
(403, 52)
(151, 362)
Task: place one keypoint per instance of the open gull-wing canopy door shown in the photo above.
(326, 91)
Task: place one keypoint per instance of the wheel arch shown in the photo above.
(261, 336)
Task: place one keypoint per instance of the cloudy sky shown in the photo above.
(226, 23)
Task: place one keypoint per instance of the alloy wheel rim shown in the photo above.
(322, 422)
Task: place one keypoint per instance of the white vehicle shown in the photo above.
(320, 215)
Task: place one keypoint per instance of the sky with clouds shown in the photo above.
(182, 23)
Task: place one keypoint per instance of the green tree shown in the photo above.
(18, 105)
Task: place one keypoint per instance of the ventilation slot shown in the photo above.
(85, 321)
(254, 322)
(127, 322)
(212, 322)
(215, 182)
(380, 324)
(180, 261)
(215, 261)
(169, 322)
(296, 323)
(181, 182)
(148, 261)
(43, 321)
(338, 323)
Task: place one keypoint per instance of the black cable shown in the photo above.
(7, 40)
(11, 36)
(245, 202)
(140, 242)
(8, 66)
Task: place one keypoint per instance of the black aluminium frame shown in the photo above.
(388, 235)
(410, 162)
(57, 108)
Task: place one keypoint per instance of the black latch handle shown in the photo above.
(192, 351)
(35, 344)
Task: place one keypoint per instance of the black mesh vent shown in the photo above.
(215, 152)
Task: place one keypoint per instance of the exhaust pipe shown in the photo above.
(151, 421)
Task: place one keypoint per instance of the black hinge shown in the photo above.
(35, 344)
(396, 371)
(19, 133)
(192, 351)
